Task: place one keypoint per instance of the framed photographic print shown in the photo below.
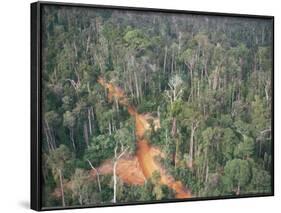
(137, 105)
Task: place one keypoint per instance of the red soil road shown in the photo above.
(137, 169)
(128, 170)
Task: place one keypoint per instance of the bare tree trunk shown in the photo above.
(165, 59)
(117, 105)
(206, 177)
(179, 42)
(172, 63)
(158, 112)
(51, 137)
(88, 43)
(98, 175)
(129, 81)
(109, 127)
(191, 144)
(198, 90)
(191, 84)
(93, 117)
(86, 136)
(190, 160)
(266, 89)
(48, 139)
(61, 187)
(205, 165)
(72, 138)
(238, 189)
(116, 158)
(176, 154)
(114, 181)
(166, 137)
(174, 127)
(136, 85)
(159, 82)
(89, 121)
(80, 199)
(75, 49)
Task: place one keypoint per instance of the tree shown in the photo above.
(261, 125)
(117, 156)
(174, 95)
(69, 121)
(98, 175)
(79, 185)
(229, 143)
(209, 89)
(175, 91)
(159, 191)
(57, 161)
(125, 136)
(101, 148)
(136, 39)
(261, 180)
(51, 120)
(190, 56)
(245, 149)
(237, 174)
(191, 119)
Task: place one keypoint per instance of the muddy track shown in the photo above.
(145, 153)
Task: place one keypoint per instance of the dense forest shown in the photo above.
(142, 106)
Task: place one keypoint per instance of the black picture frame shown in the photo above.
(36, 99)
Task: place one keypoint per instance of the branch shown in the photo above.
(91, 165)
(265, 131)
(73, 83)
(169, 96)
(122, 153)
(178, 94)
(171, 86)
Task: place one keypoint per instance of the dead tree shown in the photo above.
(116, 158)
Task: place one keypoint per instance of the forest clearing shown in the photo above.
(145, 153)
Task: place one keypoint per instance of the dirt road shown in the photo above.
(145, 152)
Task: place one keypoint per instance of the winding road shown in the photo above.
(145, 153)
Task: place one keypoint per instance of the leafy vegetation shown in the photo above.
(206, 78)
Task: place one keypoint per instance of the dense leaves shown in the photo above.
(208, 80)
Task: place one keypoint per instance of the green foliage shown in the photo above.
(245, 149)
(125, 136)
(237, 174)
(83, 189)
(136, 39)
(208, 81)
(261, 181)
(69, 119)
(59, 158)
(101, 148)
(229, 143)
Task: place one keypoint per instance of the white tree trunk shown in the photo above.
(116, 158)
(114, 182)
(165, 59)
(98, 175)
(61, 187)
(89, 121)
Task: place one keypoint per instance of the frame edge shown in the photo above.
(152, 9)
(35, 190)
(35, 92)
